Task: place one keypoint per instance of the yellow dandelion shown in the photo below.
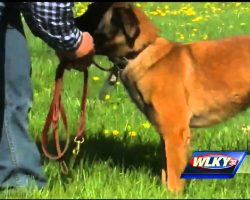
(219, 9)
(213, 9)
(166, 7)
(205, 37)
(175, 12)
(138, 5)
(182, 37)
(106, 131)
(146, 13)
(163, 14)
(153, 13)
(190, 12)
(95, 78)
(115, 132)
(132, 134)
(197, 19)
(195, 29)
(184, 8)
(107, 97)
(158, 10)
(146, 125)
(245, 128)
(237, 4)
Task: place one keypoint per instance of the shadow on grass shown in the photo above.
(123, 152)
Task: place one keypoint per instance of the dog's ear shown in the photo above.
(91, 18)
(126, 19)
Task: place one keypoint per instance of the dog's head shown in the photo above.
(116, 28)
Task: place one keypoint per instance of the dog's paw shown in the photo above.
(176, 187)
(164, 177)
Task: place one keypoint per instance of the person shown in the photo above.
(53, 22)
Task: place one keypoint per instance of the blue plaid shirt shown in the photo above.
(54, 23)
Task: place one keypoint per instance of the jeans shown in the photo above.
(20, 162)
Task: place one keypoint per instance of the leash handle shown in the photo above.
(55, 112)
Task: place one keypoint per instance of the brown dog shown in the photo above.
(177, 86)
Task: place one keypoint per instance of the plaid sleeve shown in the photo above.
(54, 23)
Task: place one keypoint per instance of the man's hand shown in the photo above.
(82, 57)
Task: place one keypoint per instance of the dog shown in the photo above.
(177, 86)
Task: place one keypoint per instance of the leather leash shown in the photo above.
(55, 112)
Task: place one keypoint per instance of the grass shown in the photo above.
(113, 163)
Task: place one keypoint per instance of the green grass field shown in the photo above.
(121, 157)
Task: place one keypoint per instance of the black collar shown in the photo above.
(121, 62)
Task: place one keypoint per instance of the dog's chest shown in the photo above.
(135, 80)
(131, 84)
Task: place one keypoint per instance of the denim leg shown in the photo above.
(19, 156)
(2, 58)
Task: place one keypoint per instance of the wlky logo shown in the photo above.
(213, 164)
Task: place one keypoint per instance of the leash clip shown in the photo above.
(76, 150)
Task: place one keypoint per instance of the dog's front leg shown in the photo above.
(172, 123)
(164, 163)
(176, 149)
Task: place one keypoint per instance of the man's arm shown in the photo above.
(53, 22)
